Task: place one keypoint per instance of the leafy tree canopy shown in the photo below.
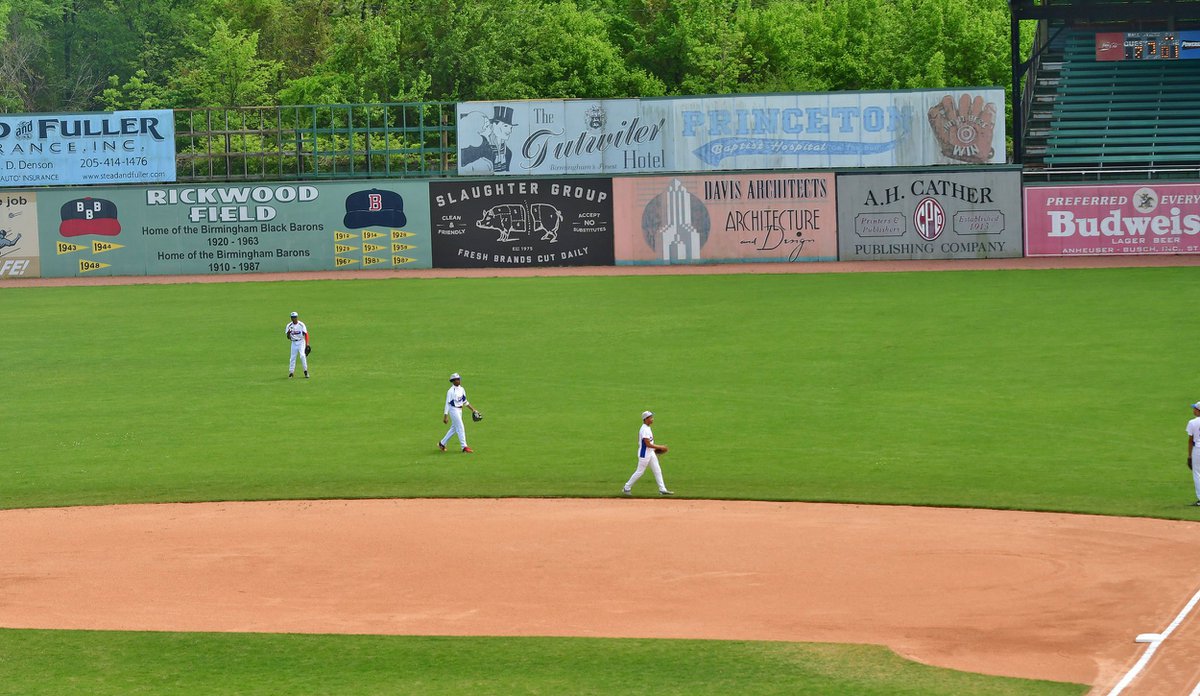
(58, 55)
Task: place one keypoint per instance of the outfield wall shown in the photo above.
(803, 216)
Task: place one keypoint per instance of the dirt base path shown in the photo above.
(1045, 596)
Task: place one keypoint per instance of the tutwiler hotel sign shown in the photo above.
(744, 132)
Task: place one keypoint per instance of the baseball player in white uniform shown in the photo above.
(297, 333)
(647, 457)
(456, 400)
(1193, 431)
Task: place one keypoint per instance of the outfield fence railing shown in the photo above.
(344, 141)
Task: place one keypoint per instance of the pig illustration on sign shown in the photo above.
(522, 219)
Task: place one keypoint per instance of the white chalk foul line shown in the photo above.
(1141, 664)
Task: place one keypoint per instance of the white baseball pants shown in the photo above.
(456, 428)
(297, 349)
(650, 460)
(1196, 470)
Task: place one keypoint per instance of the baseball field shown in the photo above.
(1037, 390)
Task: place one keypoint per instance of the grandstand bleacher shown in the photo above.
(1111, 114)
(1089, 114)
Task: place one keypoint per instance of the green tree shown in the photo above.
(367, 61)
(25, 78)
(522, 54)
(226, 72)
(138, 92)
(297, 33)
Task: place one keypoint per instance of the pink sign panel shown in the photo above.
(725, 218)
(1092, 220)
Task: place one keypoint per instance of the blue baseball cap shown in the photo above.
(373, 208)
(1196, 405)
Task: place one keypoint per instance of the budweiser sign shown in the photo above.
(1112, 219)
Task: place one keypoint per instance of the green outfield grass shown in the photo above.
(1041, 390)
(1038, 390)
(124, 664)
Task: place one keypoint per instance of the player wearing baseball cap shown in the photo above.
(456, 399)
(1193, 431)
(297, 333)
(647, 457)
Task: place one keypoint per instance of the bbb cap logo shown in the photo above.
(89, 216)
(375, 208)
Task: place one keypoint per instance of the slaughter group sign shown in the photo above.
(934, 214)
(264, 228)
(725, 218)
(57, 149)
(1092, 220)
(530, 222)
(779, 131)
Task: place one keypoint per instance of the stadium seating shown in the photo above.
(1112, 114)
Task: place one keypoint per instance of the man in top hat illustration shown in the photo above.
(493, 144)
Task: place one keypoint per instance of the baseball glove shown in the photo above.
(476, 416)
(307, 349)
(1190, 463)
(964, 130)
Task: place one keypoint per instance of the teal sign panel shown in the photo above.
(253, 228)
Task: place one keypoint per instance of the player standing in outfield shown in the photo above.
(1193, 431)
(647, 457)
(456, 399)
(297, 333)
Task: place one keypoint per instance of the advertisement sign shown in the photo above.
(743, 132)
(557, 137)
(255, 228)
(20, 255)
(1148, 45)
(70, 149)
(931, 214)
(1091, 220)
(531, 222)
(720, 218)
(838, 129)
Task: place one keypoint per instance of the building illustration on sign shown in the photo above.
(670, 227)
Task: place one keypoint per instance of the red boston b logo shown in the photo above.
(374, 201)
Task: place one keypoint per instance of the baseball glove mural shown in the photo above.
(964, 129)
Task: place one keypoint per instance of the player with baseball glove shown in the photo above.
(456, 401)
(647, 457)
(297, 334)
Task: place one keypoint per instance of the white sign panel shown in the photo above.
(558, 137)
(778, 131)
